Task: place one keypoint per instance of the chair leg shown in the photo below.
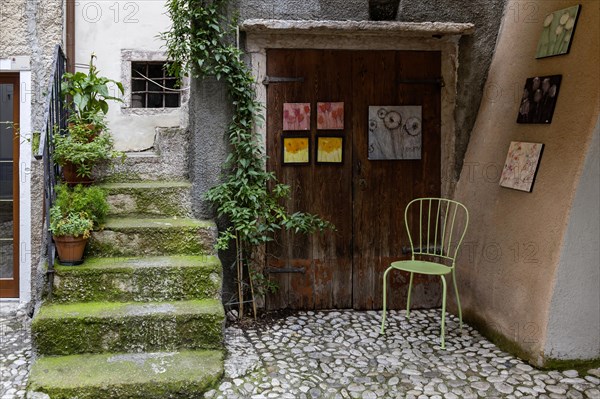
(457, 298)
(408, 296)
(443, 346)
(384, 299)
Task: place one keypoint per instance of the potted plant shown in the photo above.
(87, 95)
(77, 155)
(88, 199)
(70, 232)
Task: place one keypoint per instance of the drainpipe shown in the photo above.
(70, 35)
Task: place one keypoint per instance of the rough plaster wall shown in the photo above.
(512, 249)
(32, 28)
(574, 323)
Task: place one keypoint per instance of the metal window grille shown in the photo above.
(150, 84)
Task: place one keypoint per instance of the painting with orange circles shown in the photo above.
(330, 116)
(296, 150)
(330, 149)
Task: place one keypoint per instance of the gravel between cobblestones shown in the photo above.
(340, 354)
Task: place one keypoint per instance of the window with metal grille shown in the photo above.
(150, 84)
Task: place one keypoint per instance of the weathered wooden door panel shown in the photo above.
(364, 199)
(322, 189)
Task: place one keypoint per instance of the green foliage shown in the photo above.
(77, 149)
(88, 93)
(249, 197)
(70, 223)
(91, 200)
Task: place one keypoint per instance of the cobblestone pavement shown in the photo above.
(15, 353)
(339, 354)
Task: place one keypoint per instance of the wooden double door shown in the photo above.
(364, 198)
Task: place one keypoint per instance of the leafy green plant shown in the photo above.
(70, 223)
(250, 197)
(88, 199)
(88, 93)
(75, 148)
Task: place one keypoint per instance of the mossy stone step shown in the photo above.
(185, 375)
(127, 279)
(96, 327)
(152, 236)
(149, 198)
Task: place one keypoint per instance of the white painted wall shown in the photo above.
(574, 323)
(108, 27)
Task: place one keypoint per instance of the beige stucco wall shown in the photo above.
(509, 263)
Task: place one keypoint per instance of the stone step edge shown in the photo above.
(182, 374)
(128, 263)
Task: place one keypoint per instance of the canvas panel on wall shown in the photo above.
(296, 116)
(521, 165)
(330, 116)
(295, 150)
(330, 149)
(539, 99)
(395, 132)
(557, 33)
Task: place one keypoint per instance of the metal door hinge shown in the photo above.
(278, 79)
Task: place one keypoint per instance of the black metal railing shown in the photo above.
(55, 121)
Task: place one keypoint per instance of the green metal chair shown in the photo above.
(432, 236)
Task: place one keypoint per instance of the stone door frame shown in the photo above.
(366, 35)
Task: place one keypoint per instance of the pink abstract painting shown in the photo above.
(330, 116)
(296, 116)
(521, 165)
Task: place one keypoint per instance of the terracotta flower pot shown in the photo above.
(69, 171)
(70, 249)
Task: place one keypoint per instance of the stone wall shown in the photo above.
(209, 108)
(30, 30)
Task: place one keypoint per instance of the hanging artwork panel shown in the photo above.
(395, 132)
(557, 32)
(539, 99)
(329, 149)
(330, 116)
(295, 149)
(296, 116)
(521, 165)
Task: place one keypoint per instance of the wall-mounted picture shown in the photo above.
(521, 165)
(295, 150)
(330, 116)
(395, 132)
(330, 149)
(539, 99)
(296, 116)
(557, 33)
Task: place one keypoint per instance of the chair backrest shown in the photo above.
(439, 228)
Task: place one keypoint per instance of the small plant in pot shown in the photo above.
(77, 155)
(75, 213)
(87, 95)
(70, 232)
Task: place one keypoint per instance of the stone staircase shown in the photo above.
(142, 317)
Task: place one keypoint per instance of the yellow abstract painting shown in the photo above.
(330, 149)
(296, 150)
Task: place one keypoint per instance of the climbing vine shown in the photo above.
(200, 44)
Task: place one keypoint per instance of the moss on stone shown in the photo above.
(139, 279)
(168, 198)
(96, 327)
(136, 237)
(186, 374)
(582, 366)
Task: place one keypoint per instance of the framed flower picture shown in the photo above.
(521, 165)
(296, 116)
(329, 149)
(330, 116)
(295, 149)
(557, 32)
(539, 99)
